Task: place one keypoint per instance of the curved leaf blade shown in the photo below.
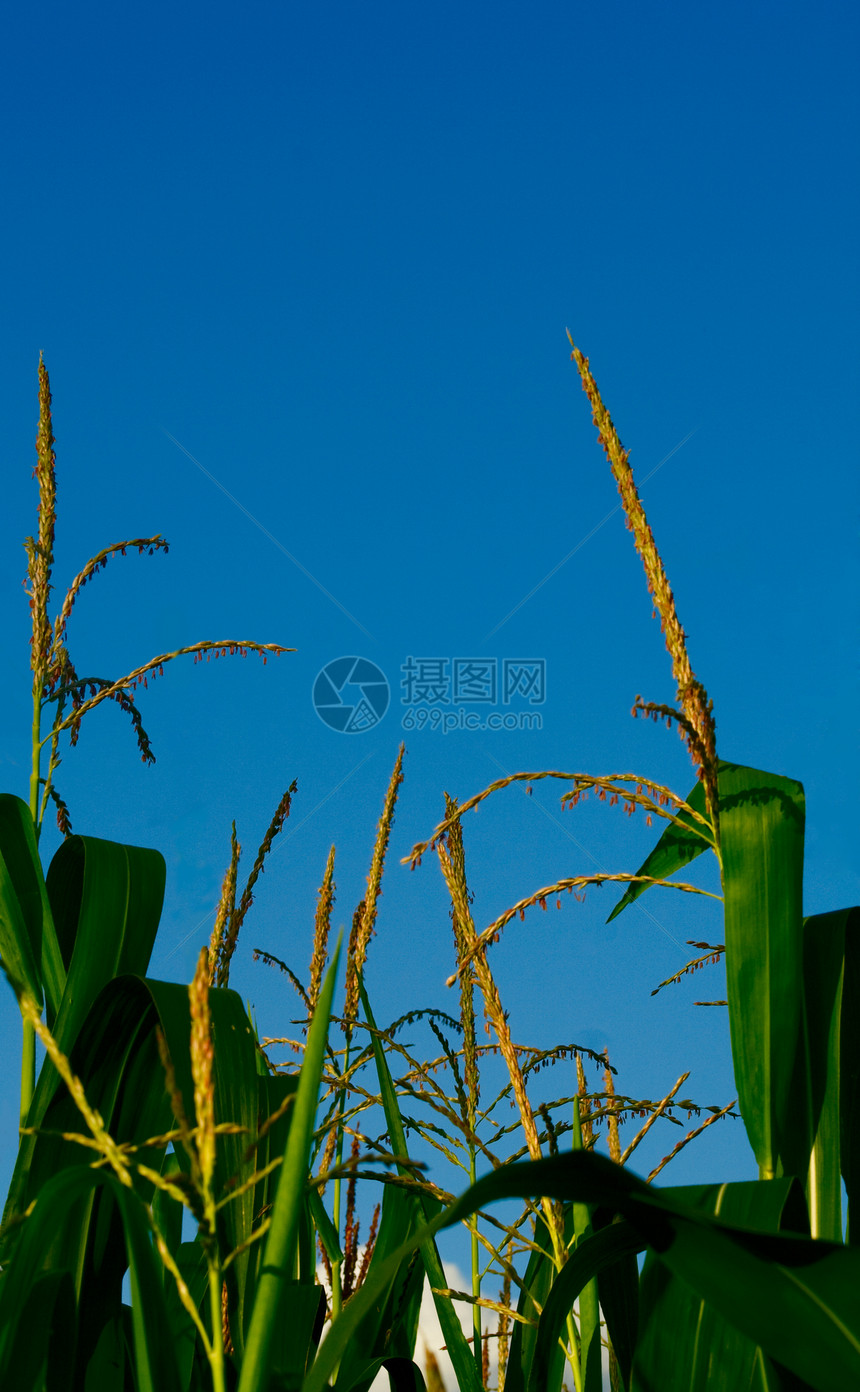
(459, 1351)
(680, 843)
(280, 1250)
(28, 942)
(794, 1296)
(761, 838)
(685, 1345)
(58, 1206)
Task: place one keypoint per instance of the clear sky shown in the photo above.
(301, 275)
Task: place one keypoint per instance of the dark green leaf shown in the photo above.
(761, 838)
(827, 1015)
(685, 1345)
(459, 1352)
(282, 1238)
(534, 1295)
(58, 1206)
(795, 1296)
(599, 1252)
(28, 942)
(849, 1073)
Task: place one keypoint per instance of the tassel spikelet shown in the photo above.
(40, 553)
(229, 917)
(574, 885)
(202, 1058)
(226, 909)
(629, 789)
(462, 942)
(613, 1139)
(700, 730)
(364, 919)
(584, 1106)
(432, 1372)
(493, 1011)
(504, 1318)
(322, 924)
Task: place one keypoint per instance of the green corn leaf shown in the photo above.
(44, 1337)
(461, 1355)
(681, 842)
(116, 1056)
(296, 1334)
(28, 942)
(403, 1375)
(849, 1072)
(325, 1227)
(191, 1261)
(282, 1239)
(685, 1345)
(390, 1325)
(58, 1207)
(618, 1294)
(534, 1296)
(599, 1252)
(829, 1014)
(761, 837)
(794, 1296)
(106, 902)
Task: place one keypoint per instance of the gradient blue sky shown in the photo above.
(332, 251)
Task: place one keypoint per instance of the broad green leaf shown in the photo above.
(296, 1334)
(794, 1296)
(106, 902)
(390, 1325)
(537, 1284)
(57, 1207)
(761, 838)
(849, 1074)
(28, 942)
(282, 1238)
(826, 1015)
(599, 1252)
(191, 1261)
(681, 842)
(685, 1345)
(43, 1340)
(117, 1058)
(461, 1355)
(618, 1293)
(403, 1375)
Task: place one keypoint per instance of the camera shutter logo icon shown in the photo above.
(351, 695)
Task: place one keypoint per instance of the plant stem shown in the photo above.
(336, 1291)
(216, 1358)
(28, 1040)
(37, 750)
(589, 1309)
(28, 1067)
(558, 1254)
(476, 1273)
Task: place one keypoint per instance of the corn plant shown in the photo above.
(156, 1104)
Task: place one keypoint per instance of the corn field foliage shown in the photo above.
(184, 1216)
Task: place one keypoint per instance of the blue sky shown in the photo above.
(301, 276)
